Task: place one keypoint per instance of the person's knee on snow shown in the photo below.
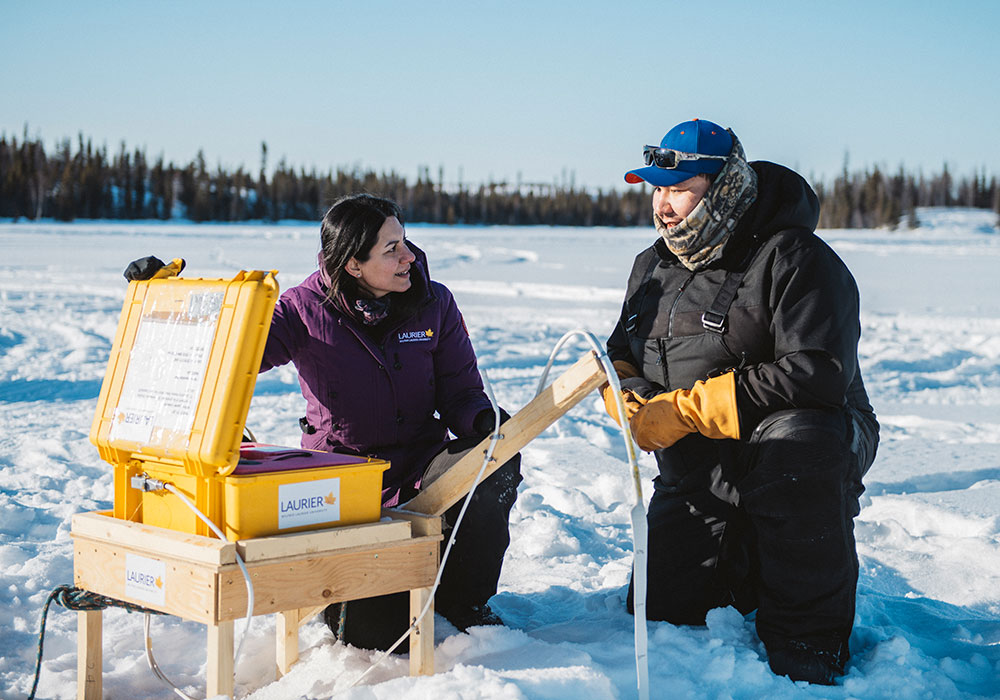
(800, 498)
(688, 530)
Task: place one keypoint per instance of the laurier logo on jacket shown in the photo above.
(416, 336)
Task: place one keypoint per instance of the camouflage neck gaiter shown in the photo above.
(700, 238)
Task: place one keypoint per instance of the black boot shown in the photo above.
(472, 616)
(804, 662)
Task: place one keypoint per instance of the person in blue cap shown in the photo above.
(737, 354)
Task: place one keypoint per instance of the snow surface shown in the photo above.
(928, 622)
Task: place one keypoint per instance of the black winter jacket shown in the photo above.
(791, 332)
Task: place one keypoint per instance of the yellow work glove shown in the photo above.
(171, 269)
(632, 401)
(624, 370)
(709, 408)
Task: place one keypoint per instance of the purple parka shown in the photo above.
(395, 400)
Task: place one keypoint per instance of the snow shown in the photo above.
(928, 620)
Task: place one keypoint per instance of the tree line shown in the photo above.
(81, 181)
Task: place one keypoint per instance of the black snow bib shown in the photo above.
(678, 349)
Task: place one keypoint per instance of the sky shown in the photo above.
(564, 92)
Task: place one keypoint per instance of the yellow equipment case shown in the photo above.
(172, 409)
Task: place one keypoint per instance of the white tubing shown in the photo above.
(640, 535)
(487, 458)
(637, 514)
(246, 575)
(153, 666)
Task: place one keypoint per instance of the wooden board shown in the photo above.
(189, 587)
(260, 548)
(219, 669)
(329, 577)
(170, 543)
(421, 524)
(422, 636)
(89, 655)
(545, 409)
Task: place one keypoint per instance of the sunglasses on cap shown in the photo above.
(668, 158)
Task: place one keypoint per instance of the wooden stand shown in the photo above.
(295, 575)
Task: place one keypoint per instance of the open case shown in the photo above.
(173, 406)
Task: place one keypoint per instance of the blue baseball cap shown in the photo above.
(696, 136)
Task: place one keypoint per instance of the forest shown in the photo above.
(81, 181)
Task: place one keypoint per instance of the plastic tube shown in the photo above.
(640, 530)
(154, 667)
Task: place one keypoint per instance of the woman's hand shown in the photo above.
(485, 420)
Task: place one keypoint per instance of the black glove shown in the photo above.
(143, 268)
(641, 387)
(482, 424)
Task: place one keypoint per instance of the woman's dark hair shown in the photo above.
(350, 230)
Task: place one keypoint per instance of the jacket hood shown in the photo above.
(784, 201)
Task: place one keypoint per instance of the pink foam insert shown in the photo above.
(256, 458)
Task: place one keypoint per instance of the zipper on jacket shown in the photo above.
(377, 351)
(673, 306)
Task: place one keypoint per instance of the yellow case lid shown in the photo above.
(182, 371)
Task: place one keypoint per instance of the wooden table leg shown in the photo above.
(220, 659)
(286, 635)
(422, 636)
(89, 657)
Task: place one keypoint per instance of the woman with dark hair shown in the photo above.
(387, 369)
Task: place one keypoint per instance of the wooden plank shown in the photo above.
(286, 636)
(329, 577)
(89, 655)
(306, 614)
(545, 409)
(260, 548)
(219, 669)
(178, 545)
(189, 592)
(423, 525)
(422, 635)
(286, 633)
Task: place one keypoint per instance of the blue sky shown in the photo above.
(541, 91)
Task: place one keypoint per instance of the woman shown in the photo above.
(387, 370)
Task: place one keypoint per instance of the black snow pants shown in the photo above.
(765, 524)
(472, 571)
